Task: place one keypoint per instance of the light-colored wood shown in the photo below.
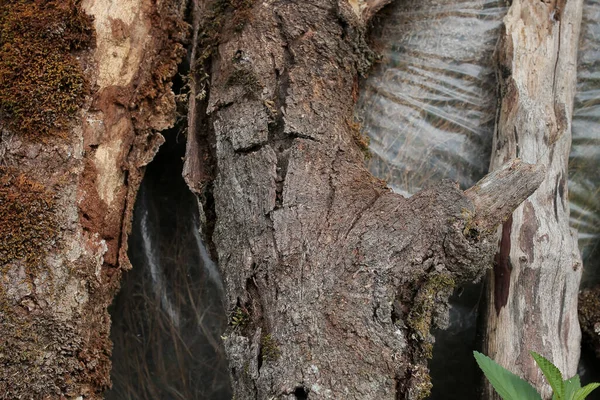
(532, 293)
(502, 190)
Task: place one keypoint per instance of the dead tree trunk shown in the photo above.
(71, 162)
(333, 282)
(532, 296)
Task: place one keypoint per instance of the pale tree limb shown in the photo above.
(532, 295)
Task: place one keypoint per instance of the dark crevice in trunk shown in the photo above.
(301, 393)
(169, 316)
(277, 133)
(454, 344)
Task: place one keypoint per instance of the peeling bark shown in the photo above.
(532, 294)
(54, 320)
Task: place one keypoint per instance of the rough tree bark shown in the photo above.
(532, 295)
(67, 190)
(334, 280)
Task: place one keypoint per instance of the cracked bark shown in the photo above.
(532, 294)
(339, 279)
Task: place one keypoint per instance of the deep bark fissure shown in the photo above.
(200, 167)
(277, 136)
(153, 298)
(173, 202)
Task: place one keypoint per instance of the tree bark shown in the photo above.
(333, 281)
(532, 294)
(78, 184)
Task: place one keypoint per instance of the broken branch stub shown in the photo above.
(501, 191)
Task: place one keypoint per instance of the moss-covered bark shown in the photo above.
(84, 87)
(42, 84)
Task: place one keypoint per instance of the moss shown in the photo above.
(170, 33)
(239, 318)
(361, 140)
(421, 382)
(470, 230)
(246, 79)
(28, 224)
(269, 349)
(424, 308)
(41, 82)
(436, 287)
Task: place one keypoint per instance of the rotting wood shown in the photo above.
(54, 322)
(532, 293)
(333, 281)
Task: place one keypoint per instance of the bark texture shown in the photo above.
(54, 322)
(532, 296)
(332, 280)
(589, 318)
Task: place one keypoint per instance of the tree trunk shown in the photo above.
(333, 281)
(532, 294)
(69, 178)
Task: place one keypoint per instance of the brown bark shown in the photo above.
(333, 280)
(54, 322)
(532, 296)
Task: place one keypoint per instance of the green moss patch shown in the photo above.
(28, 225)
(269, 348)
(422, 313)
(41, 83)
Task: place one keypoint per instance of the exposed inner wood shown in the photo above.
(532, 294)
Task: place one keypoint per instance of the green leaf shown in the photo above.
(585, 391)
(552, 374)
(508, 385)
(571, 387)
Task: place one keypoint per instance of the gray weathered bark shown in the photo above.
(333, 281)
(532, 296)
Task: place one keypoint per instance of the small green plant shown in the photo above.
(269, 348)
(510, 387)
(239, 318)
